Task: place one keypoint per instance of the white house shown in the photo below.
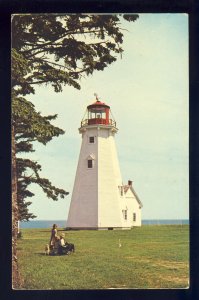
(99, 199)
(131, 206)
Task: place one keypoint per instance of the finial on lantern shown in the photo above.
(96, 96)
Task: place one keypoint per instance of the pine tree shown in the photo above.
(31, 126)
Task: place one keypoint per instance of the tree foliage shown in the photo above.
(61, 49)
(30, 126)
(28, 173)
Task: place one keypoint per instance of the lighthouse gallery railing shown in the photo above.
(99, 121)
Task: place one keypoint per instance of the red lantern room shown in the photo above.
(98, 113)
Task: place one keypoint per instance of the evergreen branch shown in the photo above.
(43, 46)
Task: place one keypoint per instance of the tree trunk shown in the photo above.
(16, 280)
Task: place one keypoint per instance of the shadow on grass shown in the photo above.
(42, 253)
(50, 255)
(47, 230)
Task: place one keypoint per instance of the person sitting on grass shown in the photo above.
(62, 249)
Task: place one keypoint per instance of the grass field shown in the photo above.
(150, 257)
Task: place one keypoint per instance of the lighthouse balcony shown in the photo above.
(98, 121)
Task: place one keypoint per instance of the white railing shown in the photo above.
(94, 121)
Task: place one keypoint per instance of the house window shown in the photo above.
(124, 214)
(90, 163)
(134, 217)
(91, 139)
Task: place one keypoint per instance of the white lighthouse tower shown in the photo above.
(99, 197)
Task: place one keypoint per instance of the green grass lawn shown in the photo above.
(150, 257)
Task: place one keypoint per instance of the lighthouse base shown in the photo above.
(98, 228)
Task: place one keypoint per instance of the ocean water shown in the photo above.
(62, 223)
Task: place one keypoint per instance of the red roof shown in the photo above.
(97, 104)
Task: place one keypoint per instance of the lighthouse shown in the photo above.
(100, 200)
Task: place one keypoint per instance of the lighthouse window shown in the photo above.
(91, 139)
(121, 190)
(134, 217)
(124, 214)
(90, 163)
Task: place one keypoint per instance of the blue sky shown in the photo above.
(148, 93)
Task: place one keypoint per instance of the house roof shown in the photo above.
(127, 187)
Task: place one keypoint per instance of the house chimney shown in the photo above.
(129, 182)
